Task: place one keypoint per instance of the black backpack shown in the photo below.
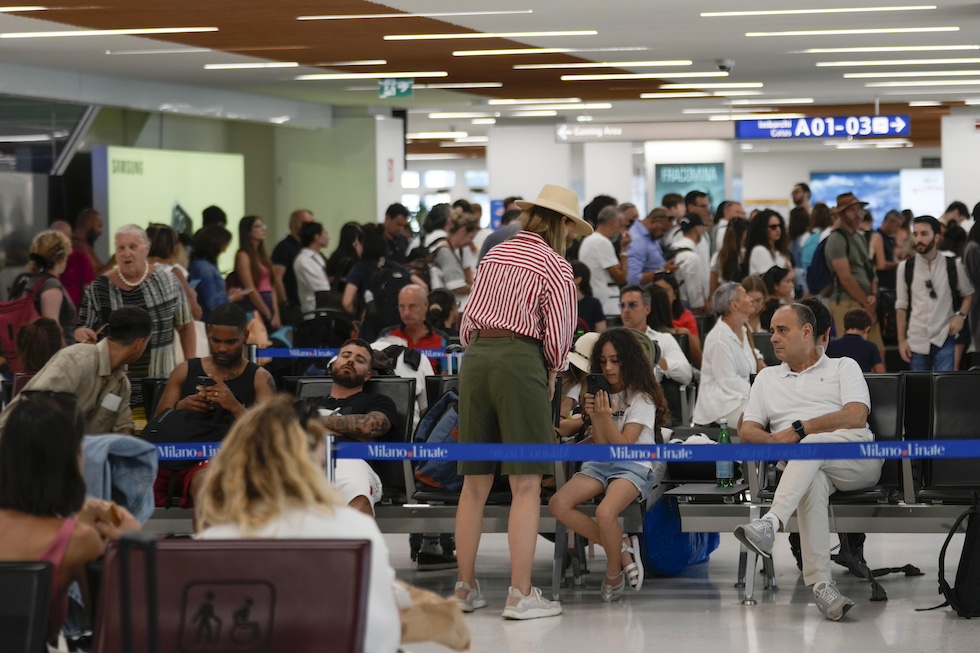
(964, 597)
(381, 294)
(421, 259)
(951, 274)
(820, 275)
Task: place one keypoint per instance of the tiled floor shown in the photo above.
(701, 612)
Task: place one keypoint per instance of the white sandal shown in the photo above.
(634, 570)
(609, 592)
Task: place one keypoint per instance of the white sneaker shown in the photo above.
(759, 535)
(532, 606)
(831, 603)
(469, 598)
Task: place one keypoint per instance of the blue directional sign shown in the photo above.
(836, 127)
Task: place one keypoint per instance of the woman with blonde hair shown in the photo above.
(264, 483)
(47, 260)
(449, 270)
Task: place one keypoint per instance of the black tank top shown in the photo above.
(242, 386)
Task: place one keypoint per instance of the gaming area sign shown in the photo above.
(835, 127)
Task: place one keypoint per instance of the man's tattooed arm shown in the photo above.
(370, 425)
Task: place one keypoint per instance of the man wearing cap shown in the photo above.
(847, 255)
(930, 312)
(607, 269)
(690, 272)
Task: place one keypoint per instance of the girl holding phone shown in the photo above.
(629, 413)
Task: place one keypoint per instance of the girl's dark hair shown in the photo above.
(759, 234)
(821, 218)
(257, 256)
(773, 277)
(345, 254)
(375, 245)
(659, 318)
(163, 240)
(581, 270)
(730, 255)
(37, 342)
(635, 368)
(440, 307)
(677, 307)
(208, 243)
(799, 222)
(39, 452)
(954, 240)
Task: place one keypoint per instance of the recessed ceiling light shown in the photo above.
(437, 14)
(159, 51)
(525, 51)
(897, 62)
(357, 62)
(661, 75)
(958, 91)
(583, 118)
(532, 114)
(672, 96)
(559, 100)
(584, 106)
(756, 116)
(452, 85)
(473, 139)
(434, 136)
(388, 75)
(735, 93)
(251, 66)
(938, 82)
(25, 138)
(915, 73)
(483, 121)
(767, 101)
(450, 115)
(925, 103)
(888, 48)
(485, 35)
(141, 31)
(604, 64)
(433, 157)
(715, 110)
(792, 12)
(461, 144)
(840, 32)
(745, 146)
(23, 9)
(720, 85)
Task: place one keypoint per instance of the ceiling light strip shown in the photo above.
(251, 66)
(845, 32)
(434, 14)
(915, 73)
(160, 51)
(384, 75)
(141, 31)
(776, 101)
(660, 75)
(507, 101)
(432, 136)
(897, 62)
(938, 82)
(604, 64)
(485, 35)
(797, 12)
(888, 48)
(720, 85)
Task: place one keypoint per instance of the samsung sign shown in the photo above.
(838, 126)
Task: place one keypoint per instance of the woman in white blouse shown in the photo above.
(767, 243)
(728, 360)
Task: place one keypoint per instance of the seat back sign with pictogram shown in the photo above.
(227, 617)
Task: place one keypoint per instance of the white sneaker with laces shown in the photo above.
(469, 598)
(759, 535)
(831, 603)
(532, 606)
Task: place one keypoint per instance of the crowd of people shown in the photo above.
(615, 303)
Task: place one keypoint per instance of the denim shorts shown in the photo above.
(639, 475)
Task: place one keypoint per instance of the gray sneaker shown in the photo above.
(531, 606)
(831, 603)
(758, 535)
(469, 598)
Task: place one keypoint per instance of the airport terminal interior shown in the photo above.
(153, 112)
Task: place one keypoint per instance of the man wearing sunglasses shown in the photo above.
(933, 299)
(96, 374)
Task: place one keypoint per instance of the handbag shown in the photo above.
(182, 426)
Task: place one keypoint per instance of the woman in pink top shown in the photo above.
(254, 269)
(41, 490)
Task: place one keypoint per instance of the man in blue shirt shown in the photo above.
(645, 253)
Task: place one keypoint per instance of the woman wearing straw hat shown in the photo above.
(517, 330)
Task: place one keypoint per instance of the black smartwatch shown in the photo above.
(798, 427)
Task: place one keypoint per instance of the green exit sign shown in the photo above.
(395, 88)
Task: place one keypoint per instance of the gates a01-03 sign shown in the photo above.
(835, 127)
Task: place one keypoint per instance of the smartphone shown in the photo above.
(204, 381)
(596, 382)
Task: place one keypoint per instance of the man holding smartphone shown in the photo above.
(211, 393)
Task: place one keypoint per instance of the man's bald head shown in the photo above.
(413, 305)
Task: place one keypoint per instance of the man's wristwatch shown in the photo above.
(958, 314)
(798, 427)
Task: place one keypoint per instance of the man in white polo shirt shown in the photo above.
(809, 398)
(634, 303)
(608, 270)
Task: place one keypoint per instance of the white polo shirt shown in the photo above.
(598, 253)
(780, 396)
(689, 273)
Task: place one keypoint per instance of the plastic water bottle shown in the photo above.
(724, 469)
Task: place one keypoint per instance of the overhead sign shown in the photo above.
(835, 127)
(395, 87)
(642, 131)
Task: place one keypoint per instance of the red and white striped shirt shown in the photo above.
(524, 286)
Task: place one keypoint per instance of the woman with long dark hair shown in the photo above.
(164, 246)
(728, 262)
(254, 270)
(522, 311)
(767, 243)
(350, 247)
(207, 245)
(662, 303)
(632, 412)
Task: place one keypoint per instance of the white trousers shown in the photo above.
(805, 488)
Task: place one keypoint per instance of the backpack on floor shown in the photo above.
(964, 597)
(440, 425)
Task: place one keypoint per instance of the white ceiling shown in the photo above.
(672, 30)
